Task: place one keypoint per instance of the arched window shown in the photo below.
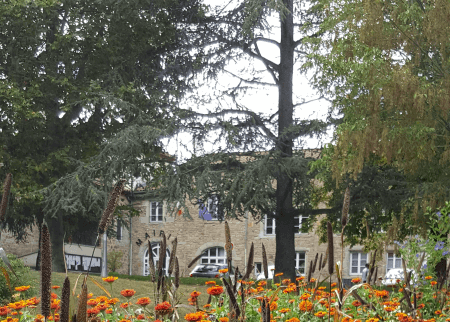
(155, 248)
(214, 255)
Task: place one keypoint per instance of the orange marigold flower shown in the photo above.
(109, 311)
(93, 311)
(55, 304)
(262, 283)
(210, 282)
(54, 295)
(438, 312)
(143, 301)
(124, 305)
(333, 284)
(90, 295)
(4, 311)
(312, 280)
(293, 320)
(17, 305)
(286, 281)
(278, 274)
(305, 305)
(215, 290)
(163, 308)
(197, 316)
(33, 301)
(140, 317)
(356, 303)
(433, 283)
(305, 296)
(195, 294)
(22, 288)
(356, 280)
(389, 308)
(421, 306)
(223, 319)
(284, 310)
(112, 301)
(428, 277)
(223, 271)
(92, 302)
(55, 287)
(320, 314)
(291, 301)
(206, 306)
(127, 292)
(124, 320)
(110, 279)
(101, 299)
(102, 306)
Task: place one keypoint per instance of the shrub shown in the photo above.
(114, 260)
(23, 278)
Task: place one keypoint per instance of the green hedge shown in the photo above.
(183, 280)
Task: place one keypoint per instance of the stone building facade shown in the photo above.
(202, 233)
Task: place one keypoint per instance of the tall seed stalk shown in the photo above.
(46, 272)
(108, 214)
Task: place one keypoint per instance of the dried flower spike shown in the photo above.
(111, 207)
(172, 255)
(265, 266)
(65, 301)
(46, 271)
(330, 248)
(82, 304)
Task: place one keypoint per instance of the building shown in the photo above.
(202, 234)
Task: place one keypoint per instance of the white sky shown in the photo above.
(264, 100)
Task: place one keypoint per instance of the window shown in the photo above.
(156, 211)
(210, 210)
(155, 249)
(269, 225)
(258, 268)
(300, 262)
(298, 223)
(119, 230)
(214, 208)
(358, 261)
(393, 261)
(214, 255)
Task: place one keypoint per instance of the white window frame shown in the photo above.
(300, 257)
(299, 226)
(394, 258)
(155, 249)
(267, 220)
(208, 258)
(361, 265)
(258, 268)
(158, 217)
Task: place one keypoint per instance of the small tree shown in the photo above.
(114, 260)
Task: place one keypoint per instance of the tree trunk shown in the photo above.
(57, 240)
(285, 238)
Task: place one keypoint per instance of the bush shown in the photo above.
(183, 280)
(23, 278)
(114, 260)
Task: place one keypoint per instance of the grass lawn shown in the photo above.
(142, 288)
